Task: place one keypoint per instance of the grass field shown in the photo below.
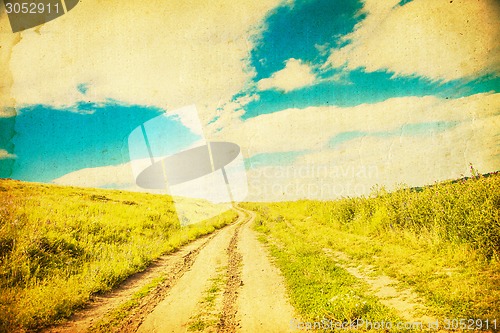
(441, 241)
(61, 245)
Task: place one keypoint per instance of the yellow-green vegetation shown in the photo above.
(208, 316)
(61, 245)
(441, 241)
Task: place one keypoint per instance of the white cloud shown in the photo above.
(440, 40)
(367, 162)
(118, 175)
(210, 187)
(229, 113)
(295, 75)
(5, 155)
(364, 163)
(355, 166)
(163, 53)
(411, 159)
(188, 116)
(312, 127)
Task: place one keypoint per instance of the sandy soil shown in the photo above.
(263, 303)
(173, 313)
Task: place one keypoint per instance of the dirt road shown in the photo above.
(252, 295)
(221, 283)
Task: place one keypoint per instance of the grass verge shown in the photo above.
(442, 241)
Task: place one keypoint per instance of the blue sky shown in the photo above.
(273, 65)
(365, 88)
(296, 32)
(51, 142)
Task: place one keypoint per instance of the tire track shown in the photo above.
(135, 319)
(254, 297)
(228, 322)
(175, 311)
(263, 304)
(389, 291)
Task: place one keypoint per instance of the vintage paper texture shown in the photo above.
(407, 94)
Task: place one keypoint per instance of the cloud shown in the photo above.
(439, 40)
(117, 175)
(312, 127)
(353, 166)
(229, 113)
(211, 187)
(5, 155)
(188, 116)
(367, 162)
(356, 165)
(295, 75)
(163, 53)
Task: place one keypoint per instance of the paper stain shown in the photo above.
(8, 107)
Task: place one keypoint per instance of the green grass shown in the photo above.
(318, 288)
(208, 316)
(61, 245)
(442, 241)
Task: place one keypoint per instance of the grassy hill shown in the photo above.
(440, 241)
(60, 245)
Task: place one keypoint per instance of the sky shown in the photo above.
(326, 98)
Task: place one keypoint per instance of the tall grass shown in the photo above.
(466, 211)
(61, 245)
(441, 241)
